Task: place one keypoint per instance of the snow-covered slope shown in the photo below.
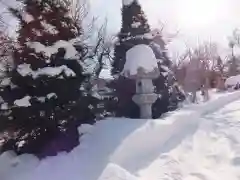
(232, 81)
(143, 149)
(114, 172)
(144, 145)
(212, 153)
(85, 162)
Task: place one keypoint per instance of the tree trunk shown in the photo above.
(206, 88)
(220, 84)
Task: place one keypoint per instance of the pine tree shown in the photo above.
(44, 100)
(134, 31)
(42, 21)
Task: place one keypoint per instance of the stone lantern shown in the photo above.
(141, 65)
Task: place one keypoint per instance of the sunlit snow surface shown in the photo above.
(197, 142)
(212, 153)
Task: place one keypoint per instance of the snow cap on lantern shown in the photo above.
(140, 63)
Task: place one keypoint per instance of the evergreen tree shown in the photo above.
(45, 22)
(135, 30)
(43, 100)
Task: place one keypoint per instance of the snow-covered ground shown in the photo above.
(232, 81)
(198, 142)
(212, 153)
(144, 145)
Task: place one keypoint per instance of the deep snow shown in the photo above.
(133, 149)
(115, 172)
(144, 145)
(232, 81)
(212, 153)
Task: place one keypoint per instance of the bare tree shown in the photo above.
(162, 29)
(195, 66)
(180, 64)
(98, 54)
(78, 9)
(219, 70)
(234, 39)
(233, 61)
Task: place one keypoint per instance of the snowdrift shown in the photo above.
(12, 165)
(211, 153)
(131, 144)
(115, 172)
(156, 136)
(232, 81)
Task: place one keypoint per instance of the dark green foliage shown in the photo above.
(130, 35)
(57, 105)
(134, 27)
(135, 30)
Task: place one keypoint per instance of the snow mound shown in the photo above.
(24, 102)
(27, 17)
(115, 172)
(87, 161)
(25, 70)
(211, 153)
(140, 57)
(160, 136)
(5, 82)
(12, 165)
(54, 71)
(4, 106)
(51, 95)
(132, 144)
(85, 128)
(232, 81)
(48, 51)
